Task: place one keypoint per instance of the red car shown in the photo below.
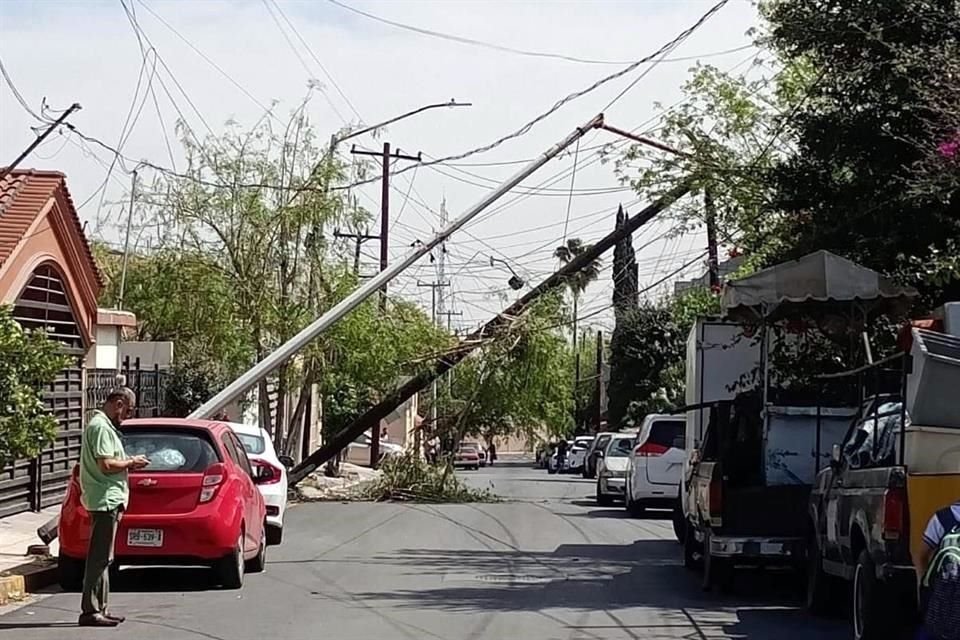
(196, 504)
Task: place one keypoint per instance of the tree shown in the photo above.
(645, 350)
(625, 275)
(518, 384)
(578, 282)
(28, 361)
(869, 179)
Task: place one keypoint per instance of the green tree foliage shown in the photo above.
(28, 362)
(625, 275)
(243, 261)
(646, 346)
(519, 383)
(868, 179)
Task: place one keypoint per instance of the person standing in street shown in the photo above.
(492, 452)
(104, 492)
(938, 568)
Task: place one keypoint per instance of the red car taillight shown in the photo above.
(270, 473)
(894, 506)
(213, 477)
(649, 450)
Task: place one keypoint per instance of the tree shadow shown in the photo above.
(601, 578)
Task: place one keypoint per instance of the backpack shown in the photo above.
(941, 583)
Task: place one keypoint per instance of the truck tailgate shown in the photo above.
(927, 493)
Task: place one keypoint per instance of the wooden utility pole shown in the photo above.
(385, 158)
(479, 337)
(434, 286)
(358, 239)
(598, 389)
(43, 136)
(710, 217)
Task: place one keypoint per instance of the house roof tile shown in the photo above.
(23, 195)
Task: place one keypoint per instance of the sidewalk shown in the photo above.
(19, 572)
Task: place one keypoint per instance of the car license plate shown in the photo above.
(145, 538)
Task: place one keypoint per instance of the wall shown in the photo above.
(150, 353)
(106, 352)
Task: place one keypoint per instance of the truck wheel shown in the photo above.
(716, 571)
(821, 587)
(871, 611)
(692, 553)
(679, 523)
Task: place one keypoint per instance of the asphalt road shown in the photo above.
(545, 564)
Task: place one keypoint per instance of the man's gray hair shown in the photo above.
(122, 392)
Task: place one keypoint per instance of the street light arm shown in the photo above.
(353, 134)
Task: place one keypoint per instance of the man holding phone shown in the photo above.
(104, 492)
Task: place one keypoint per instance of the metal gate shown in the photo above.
(31, 485)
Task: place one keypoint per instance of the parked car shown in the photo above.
(594, 452)
(577, 454)
(655, 465)
(467, 456)
(358, 451)
(483, 456)
(273, 475)
(197, 503)
(612, 469)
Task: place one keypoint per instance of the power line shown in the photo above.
(569, 98)
(506, 49)
(303, 63)
(317, 60)
(204, 56)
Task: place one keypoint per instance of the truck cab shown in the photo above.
(869, 507)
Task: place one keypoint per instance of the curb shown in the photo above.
(27, 578)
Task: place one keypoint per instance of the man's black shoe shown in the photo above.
(96, 620)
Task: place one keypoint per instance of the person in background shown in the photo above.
(938, 570)
(104, 492)
(492, 452)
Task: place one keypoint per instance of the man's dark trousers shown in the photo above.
(96, 573)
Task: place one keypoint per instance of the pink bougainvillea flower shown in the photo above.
(949, 149)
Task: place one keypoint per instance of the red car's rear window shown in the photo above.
(171, 450)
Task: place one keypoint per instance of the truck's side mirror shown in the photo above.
(835, 456)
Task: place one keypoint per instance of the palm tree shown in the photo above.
(577, 282)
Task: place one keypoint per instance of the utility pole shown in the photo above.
(471, 342)
(43, 136)
(385, 158)
(449, 314)
(710, 216)
(598, 390)
(359, 239)
(126, 240)
(434, 286)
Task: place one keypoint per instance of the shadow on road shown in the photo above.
(599, 577)
(160, 579)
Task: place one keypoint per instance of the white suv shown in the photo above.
(655, 466)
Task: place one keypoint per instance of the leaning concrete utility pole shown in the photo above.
(479, 337)
(352, 301)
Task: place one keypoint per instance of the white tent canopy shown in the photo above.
(820, 277)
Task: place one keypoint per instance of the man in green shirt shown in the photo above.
(104, 493)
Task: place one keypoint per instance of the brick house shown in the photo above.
(49, 276)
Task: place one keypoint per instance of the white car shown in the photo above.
(260, 451)
(358, 451)
(578, 454)
(612, 469)
(655, 466)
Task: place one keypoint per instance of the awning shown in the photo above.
(818, 279)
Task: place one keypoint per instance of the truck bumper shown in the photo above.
(757, 548)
